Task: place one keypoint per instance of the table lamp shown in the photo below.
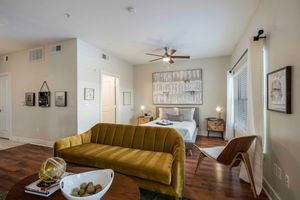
(219, 110)
(142, 109)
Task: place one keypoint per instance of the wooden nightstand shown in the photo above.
(143, 120)
(215, 125)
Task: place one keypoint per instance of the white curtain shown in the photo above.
(255, 108)
(229, 133)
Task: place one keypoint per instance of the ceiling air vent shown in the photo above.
(56, 48)
(105, 57)
(36, 54)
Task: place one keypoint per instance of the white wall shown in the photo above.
(90, 67)
(214, 84)
(36, 124)
(281, 21)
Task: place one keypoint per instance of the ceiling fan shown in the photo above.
(167, 56)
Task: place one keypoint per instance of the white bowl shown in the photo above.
(103, 177)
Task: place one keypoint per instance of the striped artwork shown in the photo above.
(177, 87)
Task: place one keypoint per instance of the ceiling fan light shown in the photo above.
(166, 59)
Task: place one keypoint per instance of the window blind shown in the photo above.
(240, 104)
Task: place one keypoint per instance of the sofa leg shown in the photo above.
(189, 152)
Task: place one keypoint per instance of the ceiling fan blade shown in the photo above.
(150, 54)
(171, 61)
(172, 51)
(186, 57)
(155, 59)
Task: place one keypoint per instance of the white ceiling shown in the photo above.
(199, 28)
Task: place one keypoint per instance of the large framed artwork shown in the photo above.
(279, 90)
(177, 87)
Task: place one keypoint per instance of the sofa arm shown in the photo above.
(178, 168)
(71, 141)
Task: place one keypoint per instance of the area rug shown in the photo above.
(2, 195)
(145, 195)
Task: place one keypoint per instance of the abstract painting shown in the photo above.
(177, 87)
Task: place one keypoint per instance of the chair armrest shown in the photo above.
(178, 168)
(71, 141)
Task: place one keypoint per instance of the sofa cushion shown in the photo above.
(155, 166)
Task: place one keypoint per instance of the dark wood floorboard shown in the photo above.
(212, 182)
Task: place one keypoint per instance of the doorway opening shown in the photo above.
(5, 106)
(109, 98)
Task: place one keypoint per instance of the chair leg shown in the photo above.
(247, 163)
(201, 156)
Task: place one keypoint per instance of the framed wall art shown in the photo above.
(44, 96)
(30, 99)
(61, 99)
(89, 94)
(279, 90)
(177, 87)
(126, 98)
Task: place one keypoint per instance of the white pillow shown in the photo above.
(164, 111)
(188, 113)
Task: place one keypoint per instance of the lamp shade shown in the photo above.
(218, 109)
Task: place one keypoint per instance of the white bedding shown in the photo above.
(185, 128)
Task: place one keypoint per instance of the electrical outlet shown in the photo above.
(287, 180)
(279, 171)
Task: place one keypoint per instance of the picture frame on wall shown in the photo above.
(183, 87)
(279, 90)
(89, 94)
(30, 99)
(61, 98)
(126, 98)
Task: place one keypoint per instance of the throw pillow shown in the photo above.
(164, 111)
(178, 118)
(188, 113)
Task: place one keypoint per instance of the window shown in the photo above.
(240, 100)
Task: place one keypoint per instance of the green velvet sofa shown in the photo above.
(153, 156)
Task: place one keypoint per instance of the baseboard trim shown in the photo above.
(39, 142)
(269, 190)
(202, 133)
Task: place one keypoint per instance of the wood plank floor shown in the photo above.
(212, 182)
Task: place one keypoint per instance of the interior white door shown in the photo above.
(108, 99)
(4, 107)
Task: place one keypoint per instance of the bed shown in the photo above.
(188, 129)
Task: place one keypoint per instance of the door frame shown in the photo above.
(117, 82)
(9, 103)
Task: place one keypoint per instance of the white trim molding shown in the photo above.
(202, 133)
(269, 190)
(39, 142)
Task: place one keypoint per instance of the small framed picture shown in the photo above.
(61, 99)
(30, 99)
(126, 98)
(279, 90)
(89, 94)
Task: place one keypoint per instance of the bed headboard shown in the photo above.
(196, 113)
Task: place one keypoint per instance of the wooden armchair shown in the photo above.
(231, 155)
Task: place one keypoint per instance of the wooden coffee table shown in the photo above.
(121, 187)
